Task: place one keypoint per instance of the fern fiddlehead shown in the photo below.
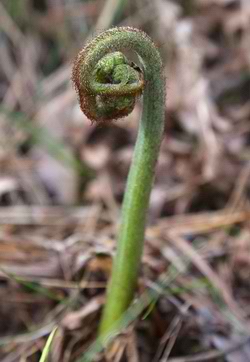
(108, 85)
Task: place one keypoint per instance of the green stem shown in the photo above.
(141, 175)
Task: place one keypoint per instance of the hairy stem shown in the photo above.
(94, 93)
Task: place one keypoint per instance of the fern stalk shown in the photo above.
(108, 85)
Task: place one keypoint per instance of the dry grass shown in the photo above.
(62, 181)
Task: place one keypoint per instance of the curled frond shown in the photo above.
(107, 83)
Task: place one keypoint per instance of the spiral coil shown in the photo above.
(108, 89)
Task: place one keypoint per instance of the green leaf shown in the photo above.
(47, 347)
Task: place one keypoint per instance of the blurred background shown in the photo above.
(62, 181)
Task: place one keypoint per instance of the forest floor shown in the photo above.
(62, 181)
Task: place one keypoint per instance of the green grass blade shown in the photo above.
(47, 347)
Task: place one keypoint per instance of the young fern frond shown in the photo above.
(108, 85)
